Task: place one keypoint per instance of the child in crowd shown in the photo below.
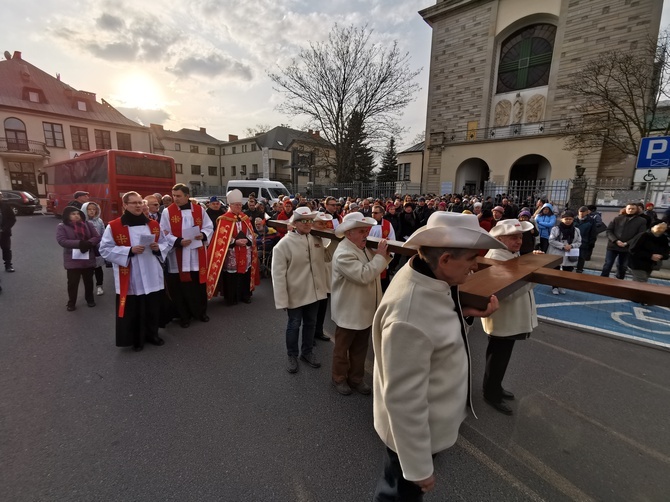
(92, 212)
(78, 239)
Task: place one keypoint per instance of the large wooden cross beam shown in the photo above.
(502, 278)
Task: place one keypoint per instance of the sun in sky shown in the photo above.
(138, 90)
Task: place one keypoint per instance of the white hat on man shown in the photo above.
(234, 197)
(511, 227)
(452, 230)
(354, 220)
(302, 213)
(323, 216)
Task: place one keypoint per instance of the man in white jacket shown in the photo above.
(356, 292)
(299, 282)
(422, 360)
(514, 320)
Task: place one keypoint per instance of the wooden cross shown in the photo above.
(502, 278)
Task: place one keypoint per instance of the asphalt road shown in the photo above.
(213, 415)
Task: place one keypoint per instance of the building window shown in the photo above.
(123, 141)
(178, 168)
(212, 170)
(33, 95)
(223, 170)
(195, 169)
(79, 137)
(177, 147)
(327, 174)
(103, 139)
(244, 148)
(525, 58)
(223, 151)
(15, 132)
(53, 134)
(234, 149)
(211, 150)
(253, 147)
(254, 168)
(243, 169)
(81, 105)
(404, 172)
(194, 149)
(233, 171)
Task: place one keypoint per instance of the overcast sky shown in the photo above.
(202, 63)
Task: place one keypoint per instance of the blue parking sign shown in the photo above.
(654, 153)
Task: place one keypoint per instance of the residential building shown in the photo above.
(197, 157)
(497, 99)
(299, 159)
(410, 169)
(45, 120)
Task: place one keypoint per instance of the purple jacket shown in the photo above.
(68, 240)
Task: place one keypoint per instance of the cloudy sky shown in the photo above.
(203, 63)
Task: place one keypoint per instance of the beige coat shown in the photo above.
(517, 313)
(299, 270)
(356, 287)
(422, 369)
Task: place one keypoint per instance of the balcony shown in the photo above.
(23, 148)
(512, 131)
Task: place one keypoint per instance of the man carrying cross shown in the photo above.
(422, 368)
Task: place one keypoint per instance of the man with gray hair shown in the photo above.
(356, 292)
(422, 365)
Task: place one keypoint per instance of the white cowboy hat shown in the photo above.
(511, 227)
(354, 220)
(302, 213)
(323, 216)
(234, 197)
(453, 230)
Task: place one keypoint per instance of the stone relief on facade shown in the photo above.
(517, 109)
(502, 113)
(535, 108)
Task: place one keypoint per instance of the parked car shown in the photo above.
(21, 202)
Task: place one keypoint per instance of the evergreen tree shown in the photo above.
(389, 169)
(358, 161)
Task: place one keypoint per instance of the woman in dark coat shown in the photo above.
(78, 238)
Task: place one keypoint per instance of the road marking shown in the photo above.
(548, 474)
(631, 442)
(600, 363)
(492, 465)
(571, 304)
(602, 331)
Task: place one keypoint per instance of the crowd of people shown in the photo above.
(171, 255)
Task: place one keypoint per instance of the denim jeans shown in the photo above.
(612, 255)
(305, 315)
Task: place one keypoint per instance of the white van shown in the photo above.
(262, 187)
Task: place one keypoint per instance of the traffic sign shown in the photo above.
(647, 175)
(654, 153)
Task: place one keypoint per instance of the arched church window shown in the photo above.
(525, 58)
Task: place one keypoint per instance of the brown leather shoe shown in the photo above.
(361, 388)
(342, 387)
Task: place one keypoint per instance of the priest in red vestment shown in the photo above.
(233, 262)
(184, 223)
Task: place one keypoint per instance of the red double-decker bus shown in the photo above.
(106, 175)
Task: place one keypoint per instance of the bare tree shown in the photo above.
(257, 129)
(331, 80)
(618, 95)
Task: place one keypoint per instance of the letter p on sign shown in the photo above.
(656, 146)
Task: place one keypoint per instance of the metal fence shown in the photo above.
(573, 193)
(577, 192)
